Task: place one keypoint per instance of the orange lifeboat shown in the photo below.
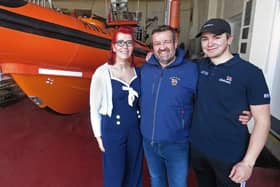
(52, 56)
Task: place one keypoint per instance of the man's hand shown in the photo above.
(148, 56)
(241, 172)
(245, 117)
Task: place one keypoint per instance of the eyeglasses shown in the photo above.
(165, 42)
(121, 43)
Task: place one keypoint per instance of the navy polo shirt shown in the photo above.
(224, 91)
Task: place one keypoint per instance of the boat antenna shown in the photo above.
(92, 8)
(42, 3)
(50, 3)
(106, 9)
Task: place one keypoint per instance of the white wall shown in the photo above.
(272, 60)
(264, 46)
(232, 8)
(262, 24)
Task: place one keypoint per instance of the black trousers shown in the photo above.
(210, 172)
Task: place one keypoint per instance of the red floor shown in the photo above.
(41, 149)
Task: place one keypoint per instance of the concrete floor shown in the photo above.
(42, 149)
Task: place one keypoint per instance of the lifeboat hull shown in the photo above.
(62, 95)
(52, 56)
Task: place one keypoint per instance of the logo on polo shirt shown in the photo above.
(203, 72)
(266, 96)
(227, 80)
(174, 80)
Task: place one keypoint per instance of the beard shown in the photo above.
(170, 57)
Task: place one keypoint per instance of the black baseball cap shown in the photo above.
(216, 26)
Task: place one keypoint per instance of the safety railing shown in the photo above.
(43, 3)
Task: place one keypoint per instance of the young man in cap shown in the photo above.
(222, 151)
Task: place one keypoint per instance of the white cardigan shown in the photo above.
(100, 97)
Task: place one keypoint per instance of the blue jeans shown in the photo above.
(171, 159)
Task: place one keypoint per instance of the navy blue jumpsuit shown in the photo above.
(123, 156)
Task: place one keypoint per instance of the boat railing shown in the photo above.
(43, 3)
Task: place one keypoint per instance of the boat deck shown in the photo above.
(41, 149)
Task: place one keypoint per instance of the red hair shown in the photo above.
(124, 30)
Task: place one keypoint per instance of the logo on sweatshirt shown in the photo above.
(174, 80)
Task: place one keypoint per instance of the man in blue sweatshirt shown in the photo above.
(168, 86)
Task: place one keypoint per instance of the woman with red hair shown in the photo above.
(115, 116)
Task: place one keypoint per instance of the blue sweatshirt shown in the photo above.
(167, 98)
